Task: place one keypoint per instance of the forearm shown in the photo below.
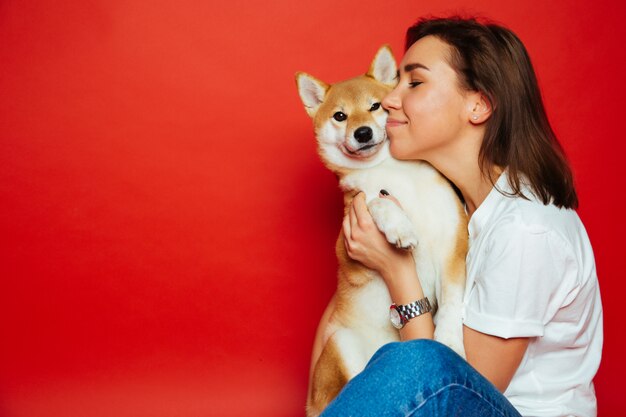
(404, 288)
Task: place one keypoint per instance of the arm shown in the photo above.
(366, 244)
(404, 288)
(495, 358)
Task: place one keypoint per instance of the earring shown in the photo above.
(474, 117)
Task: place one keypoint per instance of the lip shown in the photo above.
(391, 122)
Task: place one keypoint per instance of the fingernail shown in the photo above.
(384, 192)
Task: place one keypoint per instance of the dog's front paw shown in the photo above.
(393, 222)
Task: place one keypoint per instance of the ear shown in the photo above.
(383, 67)
(312, 92)
(479, 108)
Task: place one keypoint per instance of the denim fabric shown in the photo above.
(419, 378)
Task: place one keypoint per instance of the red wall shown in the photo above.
(167, 229)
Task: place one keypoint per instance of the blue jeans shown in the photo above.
(419, 378)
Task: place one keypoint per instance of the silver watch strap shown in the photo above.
(414, 309)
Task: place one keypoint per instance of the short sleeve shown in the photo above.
(525, 276)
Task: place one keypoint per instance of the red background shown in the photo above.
(167, 229)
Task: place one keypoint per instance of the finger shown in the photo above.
(353, 217)
(360, 207)
(385, 194)
(347, 228)
(346, 234)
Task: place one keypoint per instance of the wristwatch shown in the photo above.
(400, 315)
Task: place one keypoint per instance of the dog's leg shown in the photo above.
(328, 379)
(393, 222)
(449, 330)
(345, 354)
(343, 357)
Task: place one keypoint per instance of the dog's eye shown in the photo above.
(375, 106)
(339, 116)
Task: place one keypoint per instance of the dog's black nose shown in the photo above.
(363, 134)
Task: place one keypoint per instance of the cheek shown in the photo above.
(380, 117)
(433, 122)
(330, 133)
(424, 105)
(433, 115)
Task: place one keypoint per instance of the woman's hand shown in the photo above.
(368, 245)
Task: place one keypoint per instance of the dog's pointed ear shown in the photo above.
(383, 67)
(312, 92)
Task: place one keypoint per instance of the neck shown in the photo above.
(475, 186)
(460, 165)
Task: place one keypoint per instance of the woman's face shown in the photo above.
(427, 109)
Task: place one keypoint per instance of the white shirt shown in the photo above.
(531, 273)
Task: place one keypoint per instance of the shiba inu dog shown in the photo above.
(350, 130)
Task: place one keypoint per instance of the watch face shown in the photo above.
(395, 318)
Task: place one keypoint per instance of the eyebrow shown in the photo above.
(411, 67)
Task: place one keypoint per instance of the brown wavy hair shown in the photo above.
(492, 60)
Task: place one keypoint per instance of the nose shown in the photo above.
(363, 134)
(392, 100)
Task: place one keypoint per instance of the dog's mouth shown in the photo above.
(364, 151)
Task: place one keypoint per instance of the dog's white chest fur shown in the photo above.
(428, 204)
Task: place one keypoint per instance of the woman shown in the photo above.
(467, 102)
